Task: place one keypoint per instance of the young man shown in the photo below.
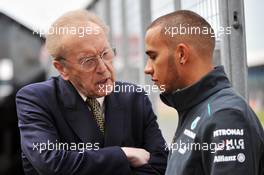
(218, 133)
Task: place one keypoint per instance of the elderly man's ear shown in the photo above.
(182, 53)
(61, 68)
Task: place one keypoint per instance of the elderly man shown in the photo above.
(74, 123)
(217, 132)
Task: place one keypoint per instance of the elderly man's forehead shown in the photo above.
(74, 44)
(83, 31)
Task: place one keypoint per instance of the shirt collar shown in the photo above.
(100, 99)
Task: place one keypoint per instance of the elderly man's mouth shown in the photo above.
(103, 81)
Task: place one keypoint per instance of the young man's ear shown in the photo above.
(61, 68)
(182, 53)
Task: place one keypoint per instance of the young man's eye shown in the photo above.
(152, 57)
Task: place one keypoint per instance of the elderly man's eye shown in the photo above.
(89, 62)
(85, 59)
(107, 55)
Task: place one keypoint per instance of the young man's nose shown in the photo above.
(148, 68)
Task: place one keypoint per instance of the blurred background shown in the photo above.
(24, 58)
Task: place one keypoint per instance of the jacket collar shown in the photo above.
(81, 121)
(70, 96)
(186, 98)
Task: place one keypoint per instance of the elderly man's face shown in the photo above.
(89, 78)
(161, 64)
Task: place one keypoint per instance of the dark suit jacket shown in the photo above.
(53, 112)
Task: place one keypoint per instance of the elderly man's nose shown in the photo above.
(101, 67)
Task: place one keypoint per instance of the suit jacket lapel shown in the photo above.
(78, 116)
(114, 120)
